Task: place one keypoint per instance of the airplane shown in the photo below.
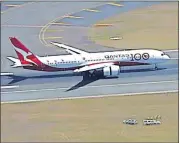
(106, 64)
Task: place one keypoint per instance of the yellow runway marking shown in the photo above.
(49, 45)
(22, 5)
(44, 29)
(52, 38)
(91, 10)
(103, 25)
(70, 16)
(59, 23)
(115, 4)
(22, 26)
(46, 26)
(53, 30)
(12, 5)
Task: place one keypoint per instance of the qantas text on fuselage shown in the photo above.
(80, 61)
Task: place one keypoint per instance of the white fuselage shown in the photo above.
(68, 62)
(84, 62)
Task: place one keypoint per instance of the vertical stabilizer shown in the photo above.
(24, 54)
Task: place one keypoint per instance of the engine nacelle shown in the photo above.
(111, 71)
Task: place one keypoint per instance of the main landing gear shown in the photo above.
(91, 75)
(86, 75)
(156, 68)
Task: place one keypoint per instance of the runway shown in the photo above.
(36, 85)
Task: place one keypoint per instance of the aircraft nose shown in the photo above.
(167, 57)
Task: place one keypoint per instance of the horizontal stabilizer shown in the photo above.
(17, 63)
(18, 66)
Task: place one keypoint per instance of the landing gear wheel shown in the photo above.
(156, 68)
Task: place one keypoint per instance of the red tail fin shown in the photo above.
(18, 44)
(23, 53)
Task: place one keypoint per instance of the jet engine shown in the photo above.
(111, 71)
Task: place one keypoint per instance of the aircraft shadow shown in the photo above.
(87, 81)
(141, 70)
(82, 83)
(16, 79)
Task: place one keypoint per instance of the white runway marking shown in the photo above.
(95, 86)
(98, 96)
(6, 74)
(172, 69)
(7, 87)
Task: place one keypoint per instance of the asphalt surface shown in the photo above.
(33, 30)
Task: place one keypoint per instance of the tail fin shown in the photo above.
(24, 54)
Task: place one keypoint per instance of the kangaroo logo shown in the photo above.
(25, 55)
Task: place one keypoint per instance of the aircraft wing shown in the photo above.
(93, 67)
(70, 49)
